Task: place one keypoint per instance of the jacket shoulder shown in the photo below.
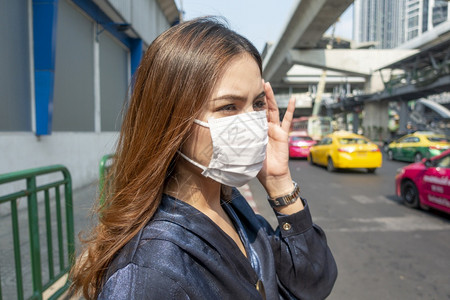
(163, 244)
(137, 282)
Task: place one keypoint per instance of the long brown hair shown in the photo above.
(174, 80)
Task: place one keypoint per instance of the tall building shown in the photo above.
(423, 15)
(417, 19)
(393, 22)
(440, 12)
(380, 21)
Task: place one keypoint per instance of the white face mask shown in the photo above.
(239, 148)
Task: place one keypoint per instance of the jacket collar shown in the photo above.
(189, 218)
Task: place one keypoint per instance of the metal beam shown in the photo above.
(104, 21)
(356, 62)
(401, 94)
(411, 92)
(136, 51)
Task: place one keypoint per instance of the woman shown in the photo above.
(200, 121)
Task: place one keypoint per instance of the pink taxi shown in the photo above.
(299, 144)
(426, 183)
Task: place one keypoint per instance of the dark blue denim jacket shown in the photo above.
(182, 254)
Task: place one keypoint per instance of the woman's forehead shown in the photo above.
(241, 78)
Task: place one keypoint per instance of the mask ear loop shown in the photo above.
(192, 161)
(204, 124)
(201, 123)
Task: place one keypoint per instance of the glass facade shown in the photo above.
(393, 22)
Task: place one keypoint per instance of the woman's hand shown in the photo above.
(275, 175)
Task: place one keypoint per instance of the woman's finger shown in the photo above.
(272, 106)
(289, 115)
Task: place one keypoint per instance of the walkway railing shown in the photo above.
(105, 164)
(44, 199)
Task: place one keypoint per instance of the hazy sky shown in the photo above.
(260, 21)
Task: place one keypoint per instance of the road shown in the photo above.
(383, 249)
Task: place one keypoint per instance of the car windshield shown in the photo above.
(439, 139)
(444, 162)
(352, 141)
(301, 138)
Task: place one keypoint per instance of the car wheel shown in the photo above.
(371, 170)
(418, 157)
(330, 165)
(390, 155)
(410, 195)
(311, 159)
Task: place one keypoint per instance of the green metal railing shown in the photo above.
(63, 243)
(103, 171)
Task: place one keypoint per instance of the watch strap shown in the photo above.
(286, 199)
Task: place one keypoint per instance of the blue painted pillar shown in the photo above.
(136, 46)
(45, 14)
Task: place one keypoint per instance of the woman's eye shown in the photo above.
(228, 107)
(260, 104)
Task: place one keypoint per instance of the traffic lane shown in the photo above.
(391, 265)
(324, 190)
(329, 193)
(383, 249)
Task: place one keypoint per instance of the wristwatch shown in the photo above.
(286, 199)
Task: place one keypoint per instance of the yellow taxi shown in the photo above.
(343, 149)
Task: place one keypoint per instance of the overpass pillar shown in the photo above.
(376, 121)
(355, 122)
(403, 116)
(345, 120)
(330, 112)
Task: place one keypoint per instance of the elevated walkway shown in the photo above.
(304, 30)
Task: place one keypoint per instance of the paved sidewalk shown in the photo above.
(83, 201)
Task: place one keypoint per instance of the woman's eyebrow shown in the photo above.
(230, 97)
(238, 97)
(261, 95)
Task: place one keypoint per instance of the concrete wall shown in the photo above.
(376, 120)
(79, 152)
